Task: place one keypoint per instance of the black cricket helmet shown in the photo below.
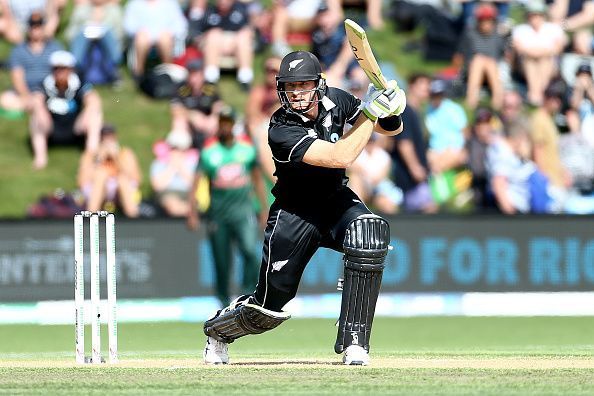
(300, 66)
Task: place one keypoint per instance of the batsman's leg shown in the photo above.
(365, 246)
(240, 318)
(279, 278)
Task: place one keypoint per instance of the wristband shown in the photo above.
(390, 123)
(369, 115)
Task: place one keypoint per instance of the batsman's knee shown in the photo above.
(367, 239)
(242, 317)
(365, 245)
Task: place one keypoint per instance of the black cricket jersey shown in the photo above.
(300, 185)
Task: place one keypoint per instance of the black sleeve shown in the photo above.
(289, 143)
(353, 108)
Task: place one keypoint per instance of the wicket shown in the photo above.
(79, 286)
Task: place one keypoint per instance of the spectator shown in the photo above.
(545, 139)
(195, 12)
(260, 18)
(481, 50)
(330, 44)
(510, 171)
(575, 17)
(582, 97)
(329, 37)
(357, 82)
(150, 23)
(369, 178)
(372, 10)
(446, 123)
(409, 150)
(172, 172)
(15, 15)
(228, 33)
(231, 167)
(195, 107)
(96, 22)
(299, 16)
(469, 8)
(63, 110)
(262, 103)
(110, 176)
(537, 43)
(482, 135)
(512, 108)
(577, 156)
(29, 65)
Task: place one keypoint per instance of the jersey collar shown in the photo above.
(328, 103)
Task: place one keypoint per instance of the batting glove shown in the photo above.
(398, 102)
(376, 103)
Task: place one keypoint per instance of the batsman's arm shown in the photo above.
(345, 151)
(377, 104)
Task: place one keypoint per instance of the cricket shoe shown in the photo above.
(216, 352)
(355, 355)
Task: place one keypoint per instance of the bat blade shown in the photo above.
(363, 54)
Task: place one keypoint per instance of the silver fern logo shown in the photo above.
(277, 265)
(294, 63)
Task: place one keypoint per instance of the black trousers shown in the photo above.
(292, 237)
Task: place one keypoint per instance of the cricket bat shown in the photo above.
(362, 51)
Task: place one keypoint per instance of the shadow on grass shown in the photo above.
(288, 362)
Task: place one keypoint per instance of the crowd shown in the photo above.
(508, 128)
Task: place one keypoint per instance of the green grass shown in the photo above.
(433, 355)
(297, 381)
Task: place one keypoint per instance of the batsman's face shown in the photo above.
(300, 94)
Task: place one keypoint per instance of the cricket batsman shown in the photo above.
(314, 208)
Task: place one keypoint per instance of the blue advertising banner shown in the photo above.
(162, 259)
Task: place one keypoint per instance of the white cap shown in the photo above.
(179, 139)
(63, 59)
(536, 7)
